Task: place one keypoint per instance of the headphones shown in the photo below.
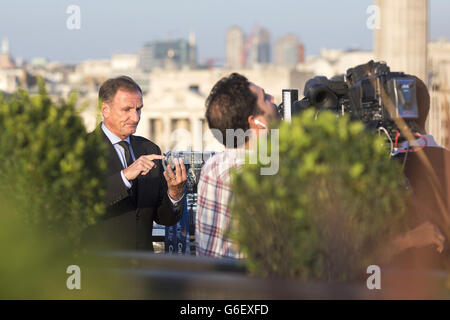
(260, 123)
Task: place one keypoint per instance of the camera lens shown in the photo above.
(324, 98)
(321, 98)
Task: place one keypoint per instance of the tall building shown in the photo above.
(5, 46)
(288, 51)
(6, 61)
(235, 48)
(177, 54)
(260, 52)
(402, 38)
(439, 87)
(192, 51)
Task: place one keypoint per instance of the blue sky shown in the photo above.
(38, 28)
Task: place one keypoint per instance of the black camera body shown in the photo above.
(369, 92)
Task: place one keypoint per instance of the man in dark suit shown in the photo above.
(138, 191)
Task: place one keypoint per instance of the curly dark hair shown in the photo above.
(229, 105)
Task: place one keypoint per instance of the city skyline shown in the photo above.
(108, 28)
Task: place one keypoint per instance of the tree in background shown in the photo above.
(49, 165)
(52, 187)
(335, 201)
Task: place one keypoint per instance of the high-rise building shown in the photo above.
(192, 51)
(177, 54)
(402, 38)
(5, 46)
(235, 48)
(439, 87)
(288, 51)
(6, 62)
(260, 52)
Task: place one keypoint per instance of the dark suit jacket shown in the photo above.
(128, 222)
(426, 192)
(424, 204)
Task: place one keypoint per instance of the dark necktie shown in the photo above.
(133, 190)
(126, 147)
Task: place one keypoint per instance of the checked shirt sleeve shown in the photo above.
(213, 215)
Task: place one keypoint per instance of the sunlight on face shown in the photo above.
(122, 114)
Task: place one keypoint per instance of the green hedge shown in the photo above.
(50, 167)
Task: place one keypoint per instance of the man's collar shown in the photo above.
(112, 137)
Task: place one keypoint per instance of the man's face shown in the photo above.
(122, 114)
(266, 104)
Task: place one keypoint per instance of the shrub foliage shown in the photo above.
(49, 165)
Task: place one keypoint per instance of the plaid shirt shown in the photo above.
(213, 213)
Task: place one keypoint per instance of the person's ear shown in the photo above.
(251, 122)
(255, 123)
(106, 109)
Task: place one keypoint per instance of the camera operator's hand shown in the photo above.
(426, 234)
(422, 236)
(142, 166)
(177, 180)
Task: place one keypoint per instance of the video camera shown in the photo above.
(369, 92)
